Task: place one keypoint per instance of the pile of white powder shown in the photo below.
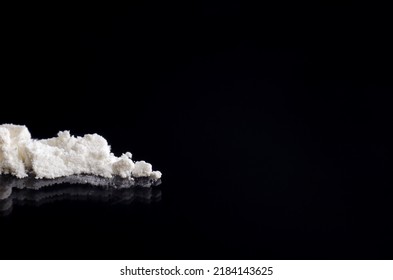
(64, 155)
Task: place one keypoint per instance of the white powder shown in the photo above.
(64, 155)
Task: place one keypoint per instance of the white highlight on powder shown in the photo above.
(64, 155)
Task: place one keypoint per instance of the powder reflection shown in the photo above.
(30, 191)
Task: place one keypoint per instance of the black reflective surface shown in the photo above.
(271, 126)
(16, 192)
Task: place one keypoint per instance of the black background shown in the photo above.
(270, 124)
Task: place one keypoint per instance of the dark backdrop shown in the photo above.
(270, 124)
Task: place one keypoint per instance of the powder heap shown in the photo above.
(64, 155)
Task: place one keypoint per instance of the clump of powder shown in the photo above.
(64, 155)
